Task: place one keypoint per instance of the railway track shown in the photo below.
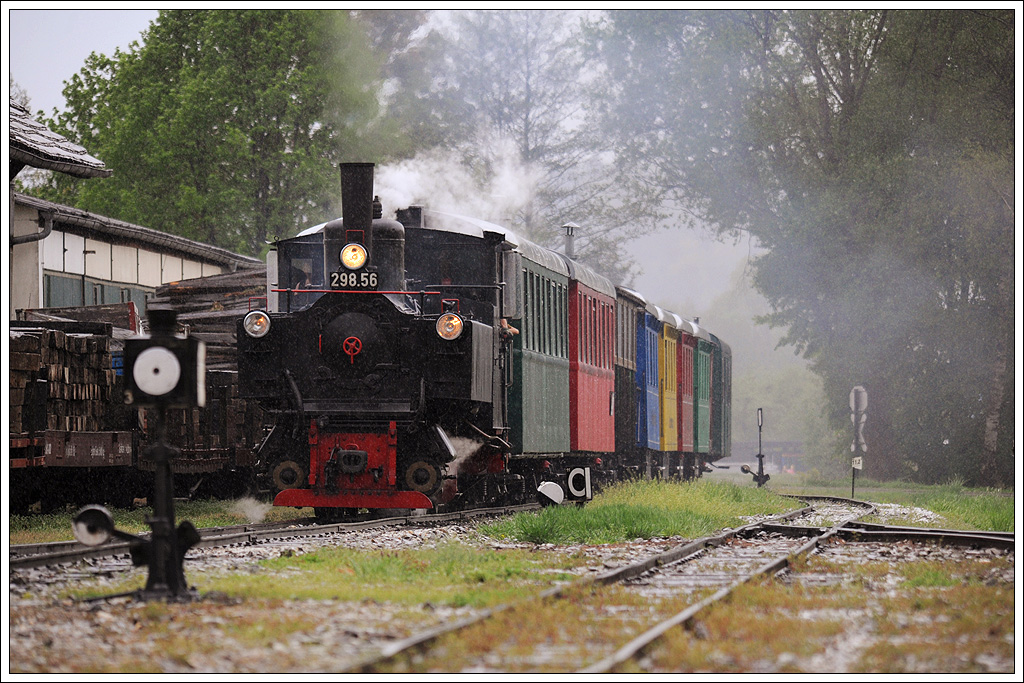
(617, 621)
(651, 598)
(29, 556)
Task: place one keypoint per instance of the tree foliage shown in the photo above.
(224, 125)
(871, 154)
(525, 86)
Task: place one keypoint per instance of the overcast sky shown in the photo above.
(47, 47)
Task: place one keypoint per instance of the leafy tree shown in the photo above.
(420, 106)
(28, 177)
(871, 154)
(223, 126)
(521, 84)
(19, 94)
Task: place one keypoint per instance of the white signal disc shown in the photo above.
(156, 371)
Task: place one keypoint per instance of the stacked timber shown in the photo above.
(210, 308)
(220, 434)
(123, 316)
(227, 428)
(62, 379)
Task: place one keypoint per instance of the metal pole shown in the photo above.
(760, 455)
(166, 575)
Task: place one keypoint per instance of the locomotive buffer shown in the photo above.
(163, 371)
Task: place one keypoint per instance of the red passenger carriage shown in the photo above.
(591, 360)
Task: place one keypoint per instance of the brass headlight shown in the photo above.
(449, 326)
(353, 256)
(256, 324)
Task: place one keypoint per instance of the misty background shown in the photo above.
(826, 171)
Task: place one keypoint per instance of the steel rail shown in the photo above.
(854, 530)
(68, 552)
(677, 554)
(685, 617)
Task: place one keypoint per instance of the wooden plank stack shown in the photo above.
(212, 306)
(75, 369)
(222, 432)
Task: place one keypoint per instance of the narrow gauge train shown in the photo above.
(440, 361)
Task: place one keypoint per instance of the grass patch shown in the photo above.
(643, 509)
(452, 574)
(765, 626)
(938, 617)
(552, 636)
(951, 626)
(962, 507)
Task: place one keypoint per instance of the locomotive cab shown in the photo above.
(300, 273)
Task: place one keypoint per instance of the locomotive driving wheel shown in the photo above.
(288, 474)
(423, 475)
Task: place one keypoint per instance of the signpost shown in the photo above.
(760, 477)
(162, 371)
(858, 463)
(858, 416)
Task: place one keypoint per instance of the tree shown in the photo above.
(27, 177)
(223, 126)
(871, 154)
(420, 106)
(522, 85)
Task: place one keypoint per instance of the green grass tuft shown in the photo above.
(642, 509)
(452, 573)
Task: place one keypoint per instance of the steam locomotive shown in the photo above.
(435, 361)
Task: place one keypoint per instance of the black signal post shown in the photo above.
(162, 371)
(760, 477)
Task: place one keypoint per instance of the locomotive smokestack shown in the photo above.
(356, 211)
(357, 196)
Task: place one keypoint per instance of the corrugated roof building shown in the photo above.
(61, 256)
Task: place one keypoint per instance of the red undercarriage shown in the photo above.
(352, 499)
(352, 470)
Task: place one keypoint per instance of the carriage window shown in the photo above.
(531, 322)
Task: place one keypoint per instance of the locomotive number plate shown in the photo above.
(361, 280)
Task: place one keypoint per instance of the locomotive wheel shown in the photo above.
(288, 474)
(423, 475)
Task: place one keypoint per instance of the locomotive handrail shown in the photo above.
(298, 402)
(354, 291)
(499, 286)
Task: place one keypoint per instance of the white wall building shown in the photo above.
(76, 258)
(61, 256)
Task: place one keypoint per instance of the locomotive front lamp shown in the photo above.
(256, 324)
(449, 326)
(353, 256)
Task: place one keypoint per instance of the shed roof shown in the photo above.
(33, 144)
(119, 232)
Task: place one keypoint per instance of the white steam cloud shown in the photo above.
(253, 510)
(464, 449)
(494, 189)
